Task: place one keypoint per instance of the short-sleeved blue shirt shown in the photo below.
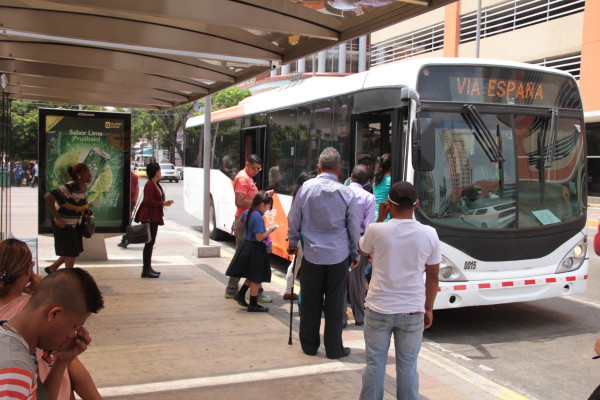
(255, 225)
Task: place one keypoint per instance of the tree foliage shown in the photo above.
(24, 132)
(228, 98)
(165, 124)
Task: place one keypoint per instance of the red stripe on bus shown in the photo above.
(550, 280)
(571, 278)
(485, 285)
(505, 284)
(585, 276)
(530, 281)
(460, 287)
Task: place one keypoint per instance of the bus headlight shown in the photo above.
(449, 271)
(574, 258)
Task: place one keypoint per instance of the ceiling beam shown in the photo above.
(130, 34)
(82, 56)
(94, 97)
(93, 87)
(87, 102)
(93, 74)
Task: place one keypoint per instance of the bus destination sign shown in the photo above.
(497, 85)
(515, 91)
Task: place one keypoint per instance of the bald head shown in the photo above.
(360, 174)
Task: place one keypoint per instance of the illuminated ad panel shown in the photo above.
(102, 141)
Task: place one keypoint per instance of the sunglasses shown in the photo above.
(256, 168)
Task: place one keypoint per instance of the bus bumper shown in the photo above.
(465, 294)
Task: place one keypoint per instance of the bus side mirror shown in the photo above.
(423, 144)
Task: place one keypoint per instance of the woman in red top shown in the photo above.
(151, 211)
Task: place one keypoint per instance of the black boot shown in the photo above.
(147, 273)
(153, 271)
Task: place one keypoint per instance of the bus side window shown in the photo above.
(279, 170)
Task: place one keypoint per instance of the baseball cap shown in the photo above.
(403, 193)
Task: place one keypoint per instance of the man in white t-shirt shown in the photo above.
(399, 301)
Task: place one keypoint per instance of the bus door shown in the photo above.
(253, 141)
(372, 131)
(380, 132)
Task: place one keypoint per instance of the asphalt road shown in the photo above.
(542, 349)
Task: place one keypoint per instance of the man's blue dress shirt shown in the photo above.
(324, 212)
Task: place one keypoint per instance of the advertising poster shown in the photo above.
(102, 141)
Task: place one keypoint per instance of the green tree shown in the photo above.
(24, 128)
(169, 123)
(228, 98)
(165, 124)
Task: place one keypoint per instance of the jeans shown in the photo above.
(408, 335)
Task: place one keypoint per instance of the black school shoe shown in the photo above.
(345, 353)
(257, 308)
(240, 299)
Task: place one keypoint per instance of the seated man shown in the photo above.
(53, 321)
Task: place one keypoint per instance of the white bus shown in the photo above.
(496, 150)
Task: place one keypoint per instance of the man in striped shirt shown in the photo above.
(53, 321)
(18, 373)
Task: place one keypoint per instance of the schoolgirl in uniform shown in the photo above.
(251, 260)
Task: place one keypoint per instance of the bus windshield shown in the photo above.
(504, 170)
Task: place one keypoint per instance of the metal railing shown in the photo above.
(516, 14)
(421, 41)
(569, 63)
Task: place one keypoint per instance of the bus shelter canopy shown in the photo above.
(159, 54)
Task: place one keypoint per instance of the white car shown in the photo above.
(180, 170)
(499, 215)
(169, 173)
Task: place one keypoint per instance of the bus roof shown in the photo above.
(398, 74)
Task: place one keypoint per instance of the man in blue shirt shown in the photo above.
(324, 215)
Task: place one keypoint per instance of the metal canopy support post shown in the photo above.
(342, 58)
(362, 54)
(207, 165)
(478, 30)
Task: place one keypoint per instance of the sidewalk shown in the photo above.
(178, 337)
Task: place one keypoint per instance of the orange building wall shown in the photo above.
(452, 29)
(589, 81)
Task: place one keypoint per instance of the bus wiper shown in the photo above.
(550, 153)
(482, 134)
(500, 163)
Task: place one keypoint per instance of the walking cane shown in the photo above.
(292, 298)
